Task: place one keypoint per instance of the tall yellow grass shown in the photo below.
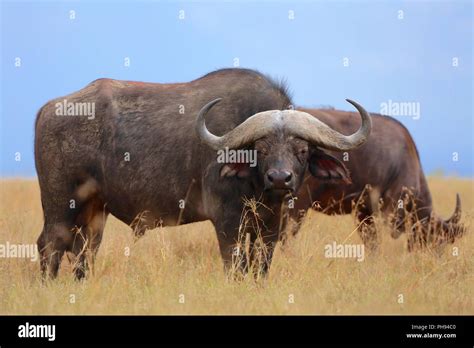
(178, 270)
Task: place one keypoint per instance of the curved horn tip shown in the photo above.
(366, 127)
(213, 102)
(207, 107)
(458, 203)
(203, 133)
(456, 217)
(354, 103)
(350, 101)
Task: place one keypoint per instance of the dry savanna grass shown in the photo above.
(178, 270)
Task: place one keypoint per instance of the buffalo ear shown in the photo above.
(326, 167)
(240, 170)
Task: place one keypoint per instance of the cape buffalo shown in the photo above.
(143, 157)
(386, 170)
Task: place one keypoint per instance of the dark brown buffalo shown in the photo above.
(145, 159)
(384, 175)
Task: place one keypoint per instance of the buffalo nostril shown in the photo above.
(279, 179)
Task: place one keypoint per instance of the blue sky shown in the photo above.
(399, 56)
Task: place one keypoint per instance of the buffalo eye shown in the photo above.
(300, 147)
(301, 150)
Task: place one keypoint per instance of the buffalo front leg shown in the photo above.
(245, 251)
(228, 204)
(232, 245)
(293, 227)
(251, 242)
(368, 231)
(262, 248)
(365, 216)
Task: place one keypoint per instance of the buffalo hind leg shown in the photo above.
(53, 241)
(88, 237)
